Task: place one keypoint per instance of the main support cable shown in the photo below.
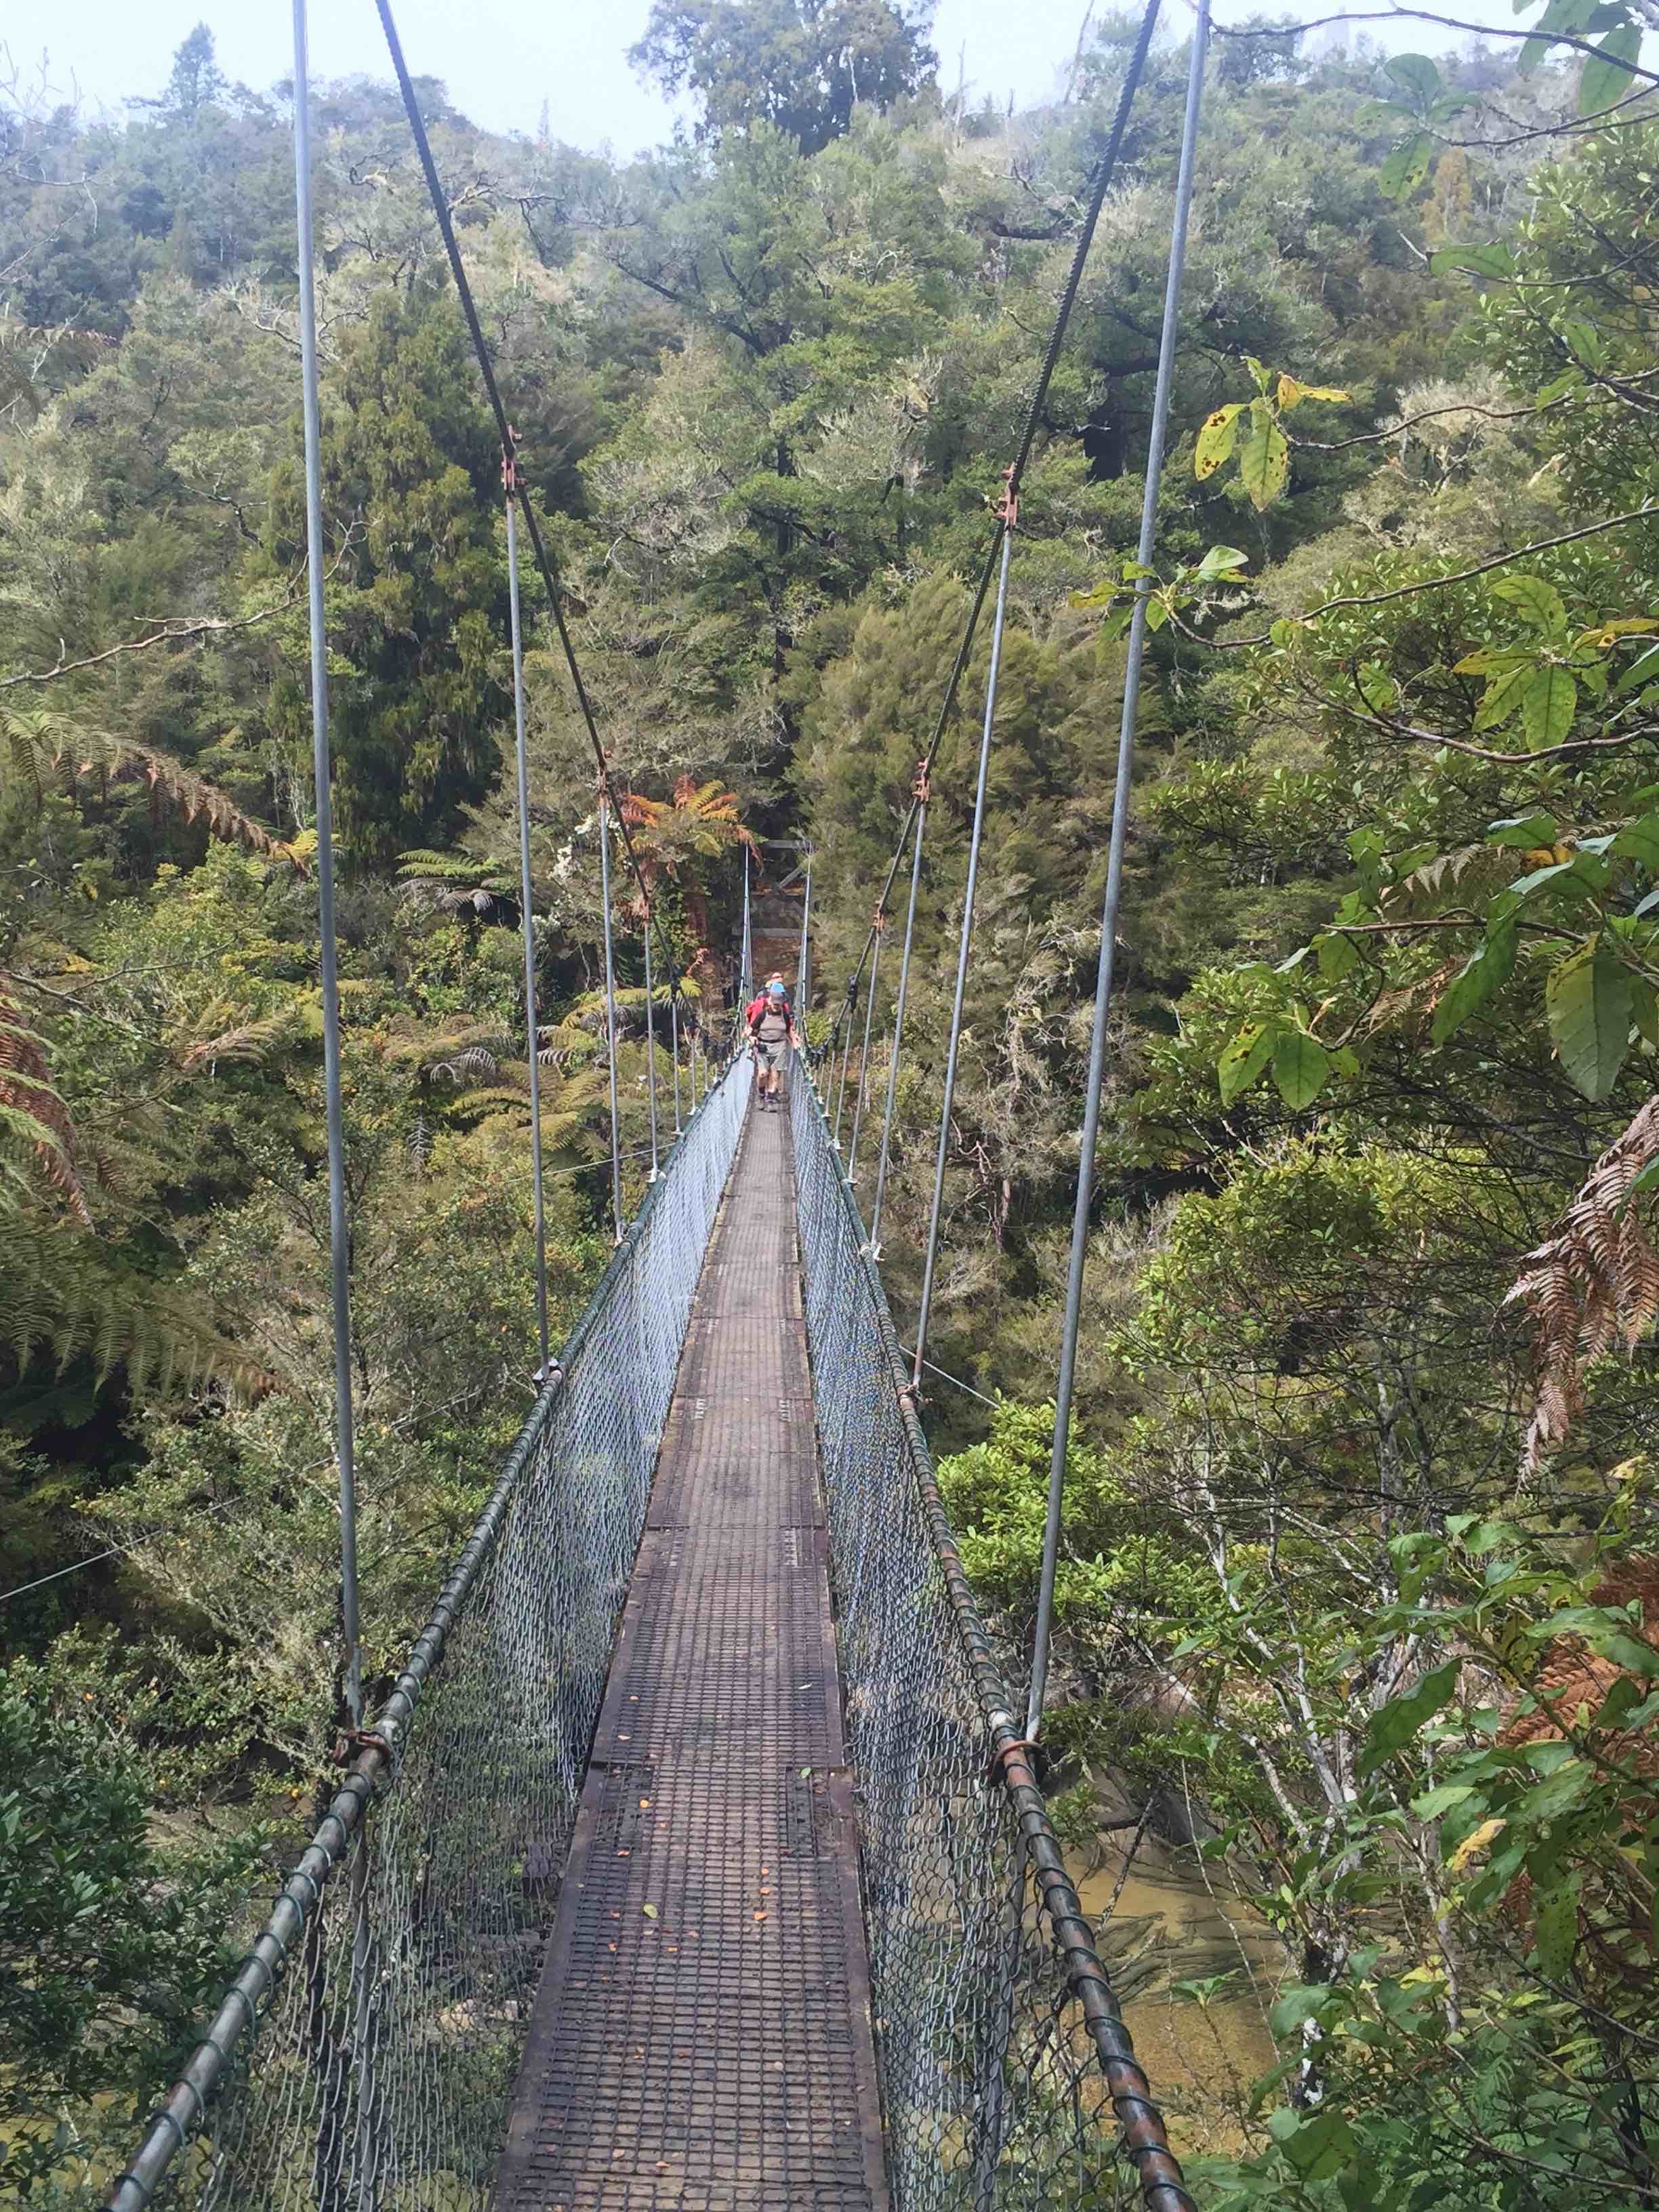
(921, 792)
(674, 1035)
(339, 1233)
(651, 1045)
(533, 1030)
(550, 573)
(803, 980)
(864, 1055)
(746, 976)
(1014, 475)
(1126, 760)
(925, 1310)
(611, 1010)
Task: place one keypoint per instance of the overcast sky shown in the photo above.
(502, 58)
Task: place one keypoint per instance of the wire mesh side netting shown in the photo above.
(1006, 2077)
(378, 2077)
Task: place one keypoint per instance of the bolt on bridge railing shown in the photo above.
(363, 2058)
(1007, 2077)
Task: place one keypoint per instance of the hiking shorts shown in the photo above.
(770, 1054)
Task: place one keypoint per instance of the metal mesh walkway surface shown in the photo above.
(701, 2035)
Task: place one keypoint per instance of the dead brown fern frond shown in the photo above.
(31, 1111)
(1592, 1285)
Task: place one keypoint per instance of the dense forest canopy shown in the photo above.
(1360, 1583)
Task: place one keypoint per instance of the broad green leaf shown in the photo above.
(1264, 458)
(1398, 1721)
(1441, 1799)
(1215, 439)
(1547, 706)
(1527, 831)
(1569, 15)
(1644, 1007)
(1556, 872)
(1321, 2145)
(1556, 1924)
(1480, 978)
(1377, 688)
(1588, 1001)
(1337, 956)
(1157, 613)
(1406, 168)
(1493, 261)
(1221, 561)
(1608, 78)
(1244, 1060)
(1300, 1067)
(1538, 601)
(1638, 841)
(1644, 669)
(1585, 342)
(1294, 2005)
(1502, 696)
(1493, 661)
(1417, 75)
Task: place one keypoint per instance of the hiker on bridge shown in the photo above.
(771, 1021)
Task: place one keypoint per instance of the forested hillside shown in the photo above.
(1359, 1602)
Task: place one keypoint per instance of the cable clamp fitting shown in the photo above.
(1007, 507)
(921, 788)
(350, 1744)
(878, 919)
(510, 463)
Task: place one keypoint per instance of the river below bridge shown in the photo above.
(1176, 1922)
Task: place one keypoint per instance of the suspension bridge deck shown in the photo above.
(702, 2036)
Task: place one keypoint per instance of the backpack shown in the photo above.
(758, 1006)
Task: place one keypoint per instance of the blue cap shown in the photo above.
(775, 990)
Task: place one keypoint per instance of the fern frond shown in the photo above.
(67, 1296)
(46, 746)
(450, 882)
(1593, 1283)
(35, 1114)
(251, 1040)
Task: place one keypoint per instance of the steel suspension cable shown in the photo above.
(339, 1233)
(674, 1034)
(925, 1310)
(746, 976)
(921, 791)
(864, 1055)
(1070, 1324)
(847, 1055)
(532, 1029)
(549, 574)
(610, 1012)
(1014, 475)
(651, 1046)
(803, 980)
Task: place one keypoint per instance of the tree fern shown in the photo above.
(67, 1298)
(451, 884)
(44, 748)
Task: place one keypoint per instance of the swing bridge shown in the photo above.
(698, 1857)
